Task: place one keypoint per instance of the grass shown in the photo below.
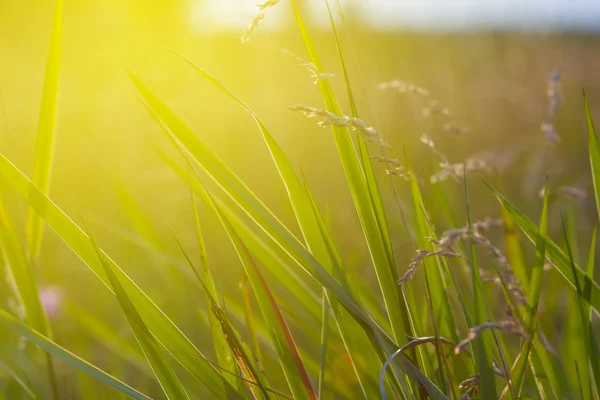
(460, 320)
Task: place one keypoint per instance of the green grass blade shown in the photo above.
(482, 350)
(13, 323)
(324, 345)
(354, 340)
(159, 324)
(576, 352)
(233, 339)
(364, 151)
(594, 151)
(290, 360)
(46, 134)
(533, 297)
(167, 379)
(591, 290)
(363, 201)
(222, 350)
(594, 353)
(439, 290)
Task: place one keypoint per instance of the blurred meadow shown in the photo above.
(489, 90)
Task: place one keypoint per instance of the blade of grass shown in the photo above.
(354, 341)
(363, 201)
(250, 321)
(290, 360)
(481, 350)
(167, 379)
(46, 134)
(594, 152)
(439, 290)
(231, 336)
(222, 350)
(324, 345)
(13, 323)
(594, 354)
(533, 298)
(576, 351)
(159, 324)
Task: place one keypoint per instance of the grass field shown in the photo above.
(314, 211)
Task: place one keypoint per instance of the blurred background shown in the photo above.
(495, 65)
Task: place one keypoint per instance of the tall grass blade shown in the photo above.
(222, 350)
(594, 151)
(482, 350)
(167, 379)
(46, 134)
(324, 345)
(594, 353)
(359, 189)
(19, 327)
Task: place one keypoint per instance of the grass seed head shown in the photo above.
(403, 87)
(550, 132)
(508, 326)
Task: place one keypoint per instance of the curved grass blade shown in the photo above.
(324, 345)
(159, 324)
(13, 323)
(167, 379)
(594, 353)
(46, 134)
